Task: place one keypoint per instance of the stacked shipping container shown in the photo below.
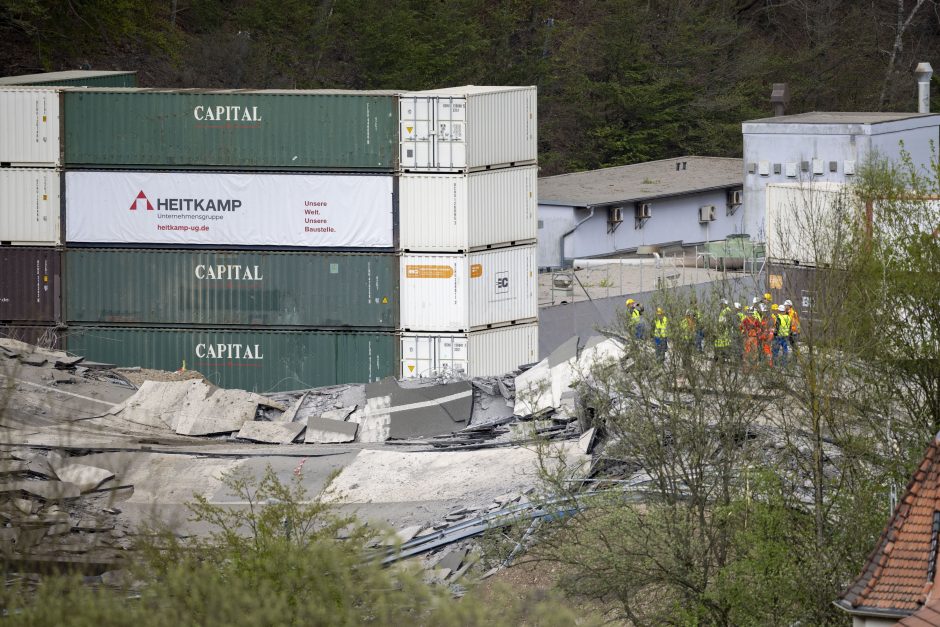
(266, 223)
(468, 226)
(30, 226)
(204, 192)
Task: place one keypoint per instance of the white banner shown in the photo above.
(225, 209)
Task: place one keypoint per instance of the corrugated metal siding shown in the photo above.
(462, 292)
(259, 360)
(30, 206)
(458, 212)
(502, 127)
(476, 354)
(29, 127)
(232, 287)
(286, 131)
(74, 78)
(44, 336)
(30, 284)
(467, 128)
(113, 80)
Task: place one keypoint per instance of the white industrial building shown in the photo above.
(830, 148)
(672, 204)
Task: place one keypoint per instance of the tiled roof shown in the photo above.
(896, 579)
(641, 181)
(927, 616)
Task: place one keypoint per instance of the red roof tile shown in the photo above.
(927, 616)
(895, 577)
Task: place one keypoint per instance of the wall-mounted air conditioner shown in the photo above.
(644, 210)
(706, 213)
(615, 215)
(736, 197)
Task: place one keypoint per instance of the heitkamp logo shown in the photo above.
(186, 204)
(141, 202)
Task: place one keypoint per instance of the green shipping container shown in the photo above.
(256, 360)
(74, 78)
(235, 287)
(278, 130)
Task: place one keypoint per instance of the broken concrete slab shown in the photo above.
(87, 478)
(507, 390)
(33, 360)
(60, 377)
(271, 432)
(586, 441)
(12, 467)
(324, 431)
(291, 414)
(543, 386)
(46, 490)
(404, 535)
(452, 559)
(340, 414)
(392, 411)
(191, 407)
(64, 363)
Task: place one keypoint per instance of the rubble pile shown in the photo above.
(57, 512)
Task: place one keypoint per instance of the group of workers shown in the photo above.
(762, 332)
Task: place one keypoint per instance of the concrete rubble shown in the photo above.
(440, 459)
(270, 432)
(330, 431)
(191, 407)
(545, 385)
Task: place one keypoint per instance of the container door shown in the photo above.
(415, 355)
(427, 355)
(433, 133)
(29, 127)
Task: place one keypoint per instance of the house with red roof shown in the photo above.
(898, 583)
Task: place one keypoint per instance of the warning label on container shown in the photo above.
(219, 209)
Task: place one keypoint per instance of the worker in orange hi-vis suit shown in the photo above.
(751, 330)
(768, 324)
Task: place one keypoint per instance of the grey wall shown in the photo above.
(558, 323)
(553, 223)
(675, 218)
(794, 143)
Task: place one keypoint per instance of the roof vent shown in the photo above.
(780, 98)
(923, 72)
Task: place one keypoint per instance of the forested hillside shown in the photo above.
(620, 81)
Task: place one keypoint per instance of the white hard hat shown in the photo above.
(737, 305)
(724, 301)
(788, 303)
(755, 300)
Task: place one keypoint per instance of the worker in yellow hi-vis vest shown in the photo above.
(661, 334)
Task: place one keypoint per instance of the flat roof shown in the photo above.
(841, 117)
(641, 181)
(67, 75)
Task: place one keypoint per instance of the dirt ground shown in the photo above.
(532, 580)
(138, 375)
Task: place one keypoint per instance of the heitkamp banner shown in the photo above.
(225, 209)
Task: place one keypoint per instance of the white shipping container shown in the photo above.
(29, 206)
(463, 292)
(467, 128)
(804, 220)
(29, 126)
(475, 354)
(460, 212)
